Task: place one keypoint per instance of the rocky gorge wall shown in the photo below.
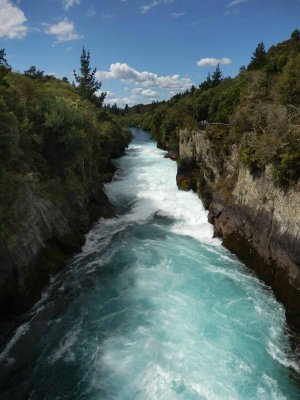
(257, 220)
(47, 235)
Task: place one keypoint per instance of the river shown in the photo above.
(152, 308)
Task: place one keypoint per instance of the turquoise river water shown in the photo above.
(153, 308)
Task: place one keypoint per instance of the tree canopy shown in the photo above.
(295, 36)
(34, 73)
(4, 67)
(217, 76)
(259, 57)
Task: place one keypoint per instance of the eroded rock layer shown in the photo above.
(256, 219)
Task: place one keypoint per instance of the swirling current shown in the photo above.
(153, 308)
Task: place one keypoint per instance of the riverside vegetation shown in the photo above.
(56, 146)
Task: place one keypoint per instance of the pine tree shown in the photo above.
(4, 68)
(217, 76)
(193, 89)
(88, 85)
(3, 60)
(259, 58)
(295, 36)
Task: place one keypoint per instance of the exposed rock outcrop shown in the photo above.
(256, 219)
(46, 236)
(172, 154)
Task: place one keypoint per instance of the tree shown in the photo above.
(289, 82)
(259, 58)
(193, 89)
(207, 83)
(34, 73)
(217, 76)
(4, 68)
(3, 60)
(115, 109)
(88, 85)
(9, 132)
(295, 36)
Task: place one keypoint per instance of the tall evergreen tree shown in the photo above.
(295, 36)
(88, 85)
(259, 58)
(217, 76)
(3, 60)
(4, 67)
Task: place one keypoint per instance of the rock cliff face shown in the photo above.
(256, 220)
(46, 236)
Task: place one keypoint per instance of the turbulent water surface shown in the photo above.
(152, 308)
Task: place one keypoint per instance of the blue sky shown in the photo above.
(144, 50)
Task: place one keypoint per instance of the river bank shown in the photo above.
(47, 236)
(256, 220)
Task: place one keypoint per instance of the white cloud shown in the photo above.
(178, 15)
(148, 93)
(213, 62)
(127, 74)
(138, 95)
(236, 3)
(147, 7)
(111, 98)
(64, 31)
(70, 3)
(12, 21)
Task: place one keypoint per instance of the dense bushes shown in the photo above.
(52, 141)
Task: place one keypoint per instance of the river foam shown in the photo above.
(149, 188)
